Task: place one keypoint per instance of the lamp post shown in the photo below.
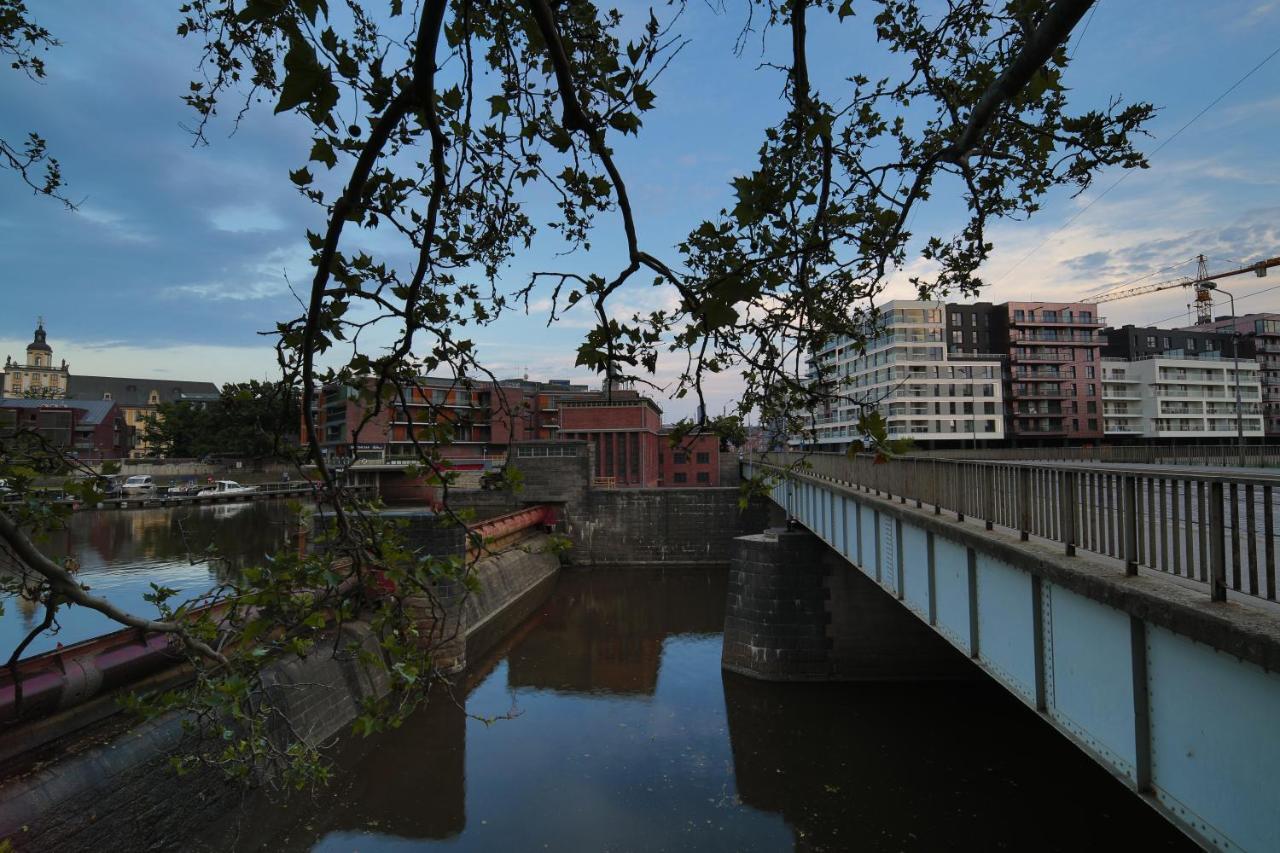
(1235, 358)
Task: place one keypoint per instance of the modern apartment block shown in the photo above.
(1180, 396)
(1055, 390)
(906, 373)
(1259, 334)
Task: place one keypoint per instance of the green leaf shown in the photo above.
(303, 75)
(498, 106)
(451, 98)
(301, 177)
(846, 9)
(322, 152)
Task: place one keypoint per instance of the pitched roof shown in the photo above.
(94, 411)
(137, 392)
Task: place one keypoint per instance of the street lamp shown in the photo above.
(1235, 357)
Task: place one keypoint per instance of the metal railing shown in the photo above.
(1214, 529)
(1225, 455)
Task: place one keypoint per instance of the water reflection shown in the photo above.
(630, 738)
(121, 552)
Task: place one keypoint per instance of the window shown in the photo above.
(680, 477)
(704, 477)
(1088, 372)
(957, 336)
(106, 396)
(1091, 407)
(679, 458)
(956, 319)
(1191, 344)
(704, 458)
(1093, 424)
(1019, 315)
(1168, 343)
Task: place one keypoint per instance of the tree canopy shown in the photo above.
(438, 125)
(250, 420)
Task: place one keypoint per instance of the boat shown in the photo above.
(225, 488)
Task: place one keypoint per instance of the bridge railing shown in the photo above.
(1214, 529)
(1226, 455)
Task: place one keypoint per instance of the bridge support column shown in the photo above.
(797, 611)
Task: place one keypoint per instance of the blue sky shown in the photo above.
(178, 255)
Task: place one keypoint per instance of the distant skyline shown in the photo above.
(179, 255)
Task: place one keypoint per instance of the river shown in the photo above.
(626, 736)
(122, 552)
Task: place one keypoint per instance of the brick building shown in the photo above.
(476, 424)
(89, 430)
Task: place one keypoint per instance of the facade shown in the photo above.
(89, 430)
(626, 435)
(1055, 386)
(694, 461)
(1180, 396)
(1259, 334)
(37, 376)
(475, 425)
(138, 399)
(908, 374)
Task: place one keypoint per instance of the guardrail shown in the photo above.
(1227, 455)
(1214, 529)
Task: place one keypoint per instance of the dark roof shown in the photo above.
(137, 392)
(94, 411)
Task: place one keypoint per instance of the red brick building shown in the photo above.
(90, 430)
(475, 426)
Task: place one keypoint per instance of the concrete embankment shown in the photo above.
(111, 787)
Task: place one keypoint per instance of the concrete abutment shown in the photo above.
(796, 611)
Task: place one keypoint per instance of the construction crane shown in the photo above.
(1204, 293)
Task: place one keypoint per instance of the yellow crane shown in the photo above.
(1204, 291)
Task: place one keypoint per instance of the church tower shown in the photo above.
(39, 377)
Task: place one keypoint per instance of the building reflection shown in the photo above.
(602, 632)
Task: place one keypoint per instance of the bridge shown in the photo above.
(1132, 608)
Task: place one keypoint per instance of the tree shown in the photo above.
(438, 124)
(250, 420)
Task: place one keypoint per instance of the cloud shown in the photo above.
(117, 225)
(251, 219)
(266, 278)
(193, 362)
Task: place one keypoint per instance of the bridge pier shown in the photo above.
(796, 612)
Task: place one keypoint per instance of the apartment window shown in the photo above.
(956, 319)
(1091, 407)
(973, 337)
(704, 477)
(1075, 424)
(1088, 372)
(1151, 341)
(1092, 390)
(1168, 343)
(704, 458)
(1093, 424)
(680, 477)
(957, 336)
(1191, 344)
(1019, 315)
(679, 458)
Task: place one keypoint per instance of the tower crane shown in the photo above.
(1204, 293)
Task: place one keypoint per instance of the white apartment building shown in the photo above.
(906, 374)
(1179, 395)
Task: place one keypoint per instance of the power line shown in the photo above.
(1087, 20)
(1129, 172)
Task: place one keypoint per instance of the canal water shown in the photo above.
(624, 735)
(122, 552)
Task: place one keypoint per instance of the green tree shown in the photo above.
(250, 420)
(440, 126)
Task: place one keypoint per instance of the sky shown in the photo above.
(179, 256)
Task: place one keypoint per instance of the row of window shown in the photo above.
(682, 477)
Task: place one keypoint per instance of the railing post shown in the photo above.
(1024, 503)
(1067, 509)
(937, 489)
(1217, 544)
(989, 483)
(957, 489)
(1130, 521)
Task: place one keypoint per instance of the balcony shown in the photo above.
(1056, 320)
